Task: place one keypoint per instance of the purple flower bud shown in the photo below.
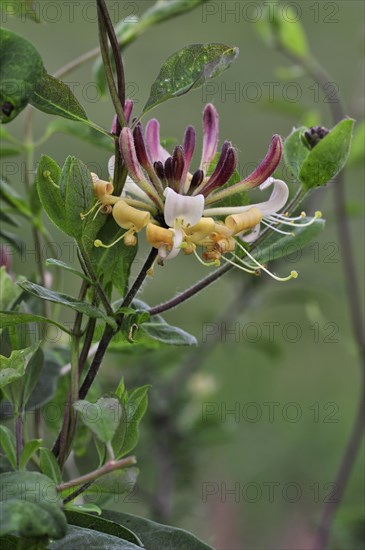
(178, 164)
(128, 108)
(140, 146)
(223, 174)
(159, 169)
(188, 148)
(114, 125)
(210, 140)
(156, 151)
(268, 166)
(169, 171)
(196, 180)
(129, 155)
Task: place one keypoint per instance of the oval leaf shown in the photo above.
(30, 506)
(328, 157)
(54, 97)
(155, 536)
(188, 69)
(21, 68)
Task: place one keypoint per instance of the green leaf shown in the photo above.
(7, 442)
(102, 417)
(48, 179)
(13, 318)
(12, 368)
(33, 373)
(12, 239)
(283, 27)
(30, 506)
(76, 190)
(280, 246)
(79, 538)
(13, 199)
(156, 536)
(58, 263)
(118, 482)
(54, 97)
(81, 131)
(328, 157)
(114, 264)
(28, 450)
(295, 151)
(65, 300)
(102, 526)
(9, 291)
(188, 69)
(49, 465)
(83, 508)
(21, 68)
(133, 408)
(160, 331)
(358, 144)
(47, 383)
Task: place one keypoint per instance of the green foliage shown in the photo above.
(317, 166)
(76, 190)
(358, 144)
(14, 200)
(79, 538)
(155, 536)
(189, 68)
(286, 31)
(7, 442)
(28, 451)
(30, 506)
(49, 465)
(12, 369)
(58, 263)
(53, 97)
(102, 525)
(133, 406)
(13, 318)
(102, 418)
(21, 67)
(48, 184)
(65, 300)
(9, 292)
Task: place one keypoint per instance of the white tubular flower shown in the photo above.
(180, 213)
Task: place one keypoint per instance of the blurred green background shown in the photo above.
(309, 368)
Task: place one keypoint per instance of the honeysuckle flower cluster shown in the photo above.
(182, 210)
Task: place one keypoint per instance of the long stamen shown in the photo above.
(293, 274)
(83, 216)
(251, 271)
(276, 229)
(99, 244)
(215, 263)
(291, 223)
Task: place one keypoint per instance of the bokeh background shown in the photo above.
(257, 478)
